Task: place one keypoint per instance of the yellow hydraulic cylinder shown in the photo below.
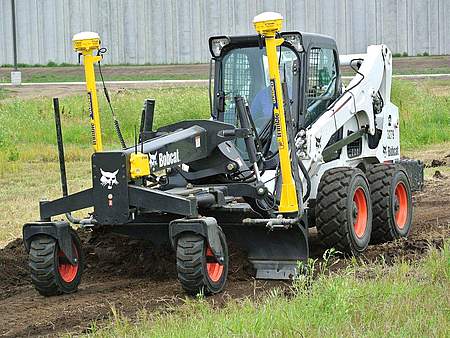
(268, 24)
(86, 43)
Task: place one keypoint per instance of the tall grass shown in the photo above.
(404, 300)
(31, 121)
(424, 117)
(3, 93)
(27, 128)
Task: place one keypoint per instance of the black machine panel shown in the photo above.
(180, 146)
(110, 187)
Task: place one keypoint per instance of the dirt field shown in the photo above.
(406, 65)
(129, 275)
(63, 90)
(113, 72)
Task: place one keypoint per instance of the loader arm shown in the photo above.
(356, 101)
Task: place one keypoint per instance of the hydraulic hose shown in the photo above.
(308, 180)
(108, 99)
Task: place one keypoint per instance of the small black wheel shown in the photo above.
(51, 272)
(343, 210)
(391, 202)
(198, 270)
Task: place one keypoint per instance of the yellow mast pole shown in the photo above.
(268, 24)
(86, 43)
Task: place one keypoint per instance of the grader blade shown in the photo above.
(275, 254)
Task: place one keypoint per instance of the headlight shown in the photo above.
(217, 43)
(294, 38)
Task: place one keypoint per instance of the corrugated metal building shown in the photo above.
(176, 31)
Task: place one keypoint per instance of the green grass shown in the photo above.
(23, 184)
(113, 77)
(27, 126)
(61, 77)
(52, 64)
(424, 117)
(403, 300)
(4, 93)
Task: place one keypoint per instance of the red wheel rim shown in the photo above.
(360, 212)
(213, 268)
(67, 271)
(401, 205)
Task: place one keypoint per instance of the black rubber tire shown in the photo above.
(44, 261)
(192, 265)
(334, 210)
(383, 179)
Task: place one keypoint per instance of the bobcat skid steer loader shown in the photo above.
(288, 147)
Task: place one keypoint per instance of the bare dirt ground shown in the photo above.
(129, 275)
(63, 90)
(200, 70)
(402, 65)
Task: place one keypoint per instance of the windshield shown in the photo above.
(245, 73)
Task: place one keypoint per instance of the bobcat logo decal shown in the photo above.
(108, 179)
(154, 159)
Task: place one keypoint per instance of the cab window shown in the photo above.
(321, 83)
(246, 73)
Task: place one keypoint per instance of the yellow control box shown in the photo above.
(139, 165)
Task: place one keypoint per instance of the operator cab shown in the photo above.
(308, 65)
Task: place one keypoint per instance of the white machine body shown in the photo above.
(354, 111)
